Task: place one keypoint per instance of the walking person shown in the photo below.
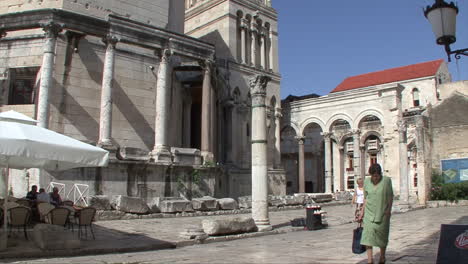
(378, 200)
(358, 199)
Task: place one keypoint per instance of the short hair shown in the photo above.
(375, 169)
(34, 186)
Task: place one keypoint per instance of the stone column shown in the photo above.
(206, 130)
(342, 181)
(262, 50)
(301, 183)
(278, 117)
(187, 122)
(357, 154)
(270, 50)
(258, 85)
(243, 41)
(328, 163)
(161, 151)
(254, 43)
(51, 30)
(105, 121)
(403, 153)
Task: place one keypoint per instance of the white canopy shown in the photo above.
(25, 145)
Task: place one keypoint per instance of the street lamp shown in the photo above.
(442, 16)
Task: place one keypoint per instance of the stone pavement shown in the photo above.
(414, 239)
(161, 233)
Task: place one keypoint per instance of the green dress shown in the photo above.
(375, 223)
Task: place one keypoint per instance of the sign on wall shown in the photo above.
(455, 170)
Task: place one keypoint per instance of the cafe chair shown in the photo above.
(19, 217)
(85, 220)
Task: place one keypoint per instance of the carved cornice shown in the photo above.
(2, 33)
(110, 40)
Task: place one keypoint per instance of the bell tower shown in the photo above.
(243, 31)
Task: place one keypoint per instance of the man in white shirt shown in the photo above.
(43, 197)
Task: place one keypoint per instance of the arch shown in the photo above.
(293, 126)
(273, 101)
(311, 120)
(336, 117)
(345, 137)
(248, 17)
(368, 112)
(371, 133)
(240, 14)
(267, 25)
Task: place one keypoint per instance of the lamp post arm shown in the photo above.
(457, 53)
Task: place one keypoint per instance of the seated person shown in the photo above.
(55, 198)
(32, 195)
(43, 197)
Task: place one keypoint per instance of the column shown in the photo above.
(253, 50)
(270, 50)
(328, 163)
(187, 122)
(403, 153)
(206, 131)
(105, 121)
(301, 183)
(258, 85)
(278, 117)
(161, 151)
(243, 41)
(51, 30)
(356, 154)
(342, 181)
(262, 50)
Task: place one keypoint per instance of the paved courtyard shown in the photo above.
(414, 239)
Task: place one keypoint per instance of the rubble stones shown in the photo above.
(129, 204)
(227, 204)
(100, 202)
(245, 202)
(195, 233)
(343, 196)
(175, 206)
(228, 226)
(205, 204)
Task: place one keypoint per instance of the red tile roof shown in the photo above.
(409, 72)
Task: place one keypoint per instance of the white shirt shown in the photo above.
(43, 197)
(359, 196)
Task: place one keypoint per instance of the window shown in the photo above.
(22, 86)
(415, 97)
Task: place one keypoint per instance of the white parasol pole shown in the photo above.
(5, 204)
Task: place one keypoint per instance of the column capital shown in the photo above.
(278, 115)
(51, 29)
(326, 135)
(258, 84)
(244, 23)
(300, 139)
(163, 54)
(110, 40)
(207, 65)
(356, 132)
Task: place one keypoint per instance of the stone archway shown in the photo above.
(289, 158)
(314, 167)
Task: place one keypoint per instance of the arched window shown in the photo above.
(416, 97)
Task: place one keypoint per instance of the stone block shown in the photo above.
(343, 196)
(129, 153)
(186, 156)
(227, 204)
(127, 204)
(321, 197)
(236, 225)
(245, 202)
(205, 204)
(175, 206)
(275, 201)
(53, 237)
(290, 200)
(100, 202)
(195, 233)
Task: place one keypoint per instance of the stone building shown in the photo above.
(162, 84)
(393, 117)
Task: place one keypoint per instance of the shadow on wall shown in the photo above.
(79, 117)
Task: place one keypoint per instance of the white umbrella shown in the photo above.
(25, 145)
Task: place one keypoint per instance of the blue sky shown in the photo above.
(323, 42)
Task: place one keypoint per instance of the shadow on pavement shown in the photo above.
(107, 241)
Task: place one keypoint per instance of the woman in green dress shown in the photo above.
(378, 199)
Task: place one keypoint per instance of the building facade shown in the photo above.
(158, 83)
(381, 117)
